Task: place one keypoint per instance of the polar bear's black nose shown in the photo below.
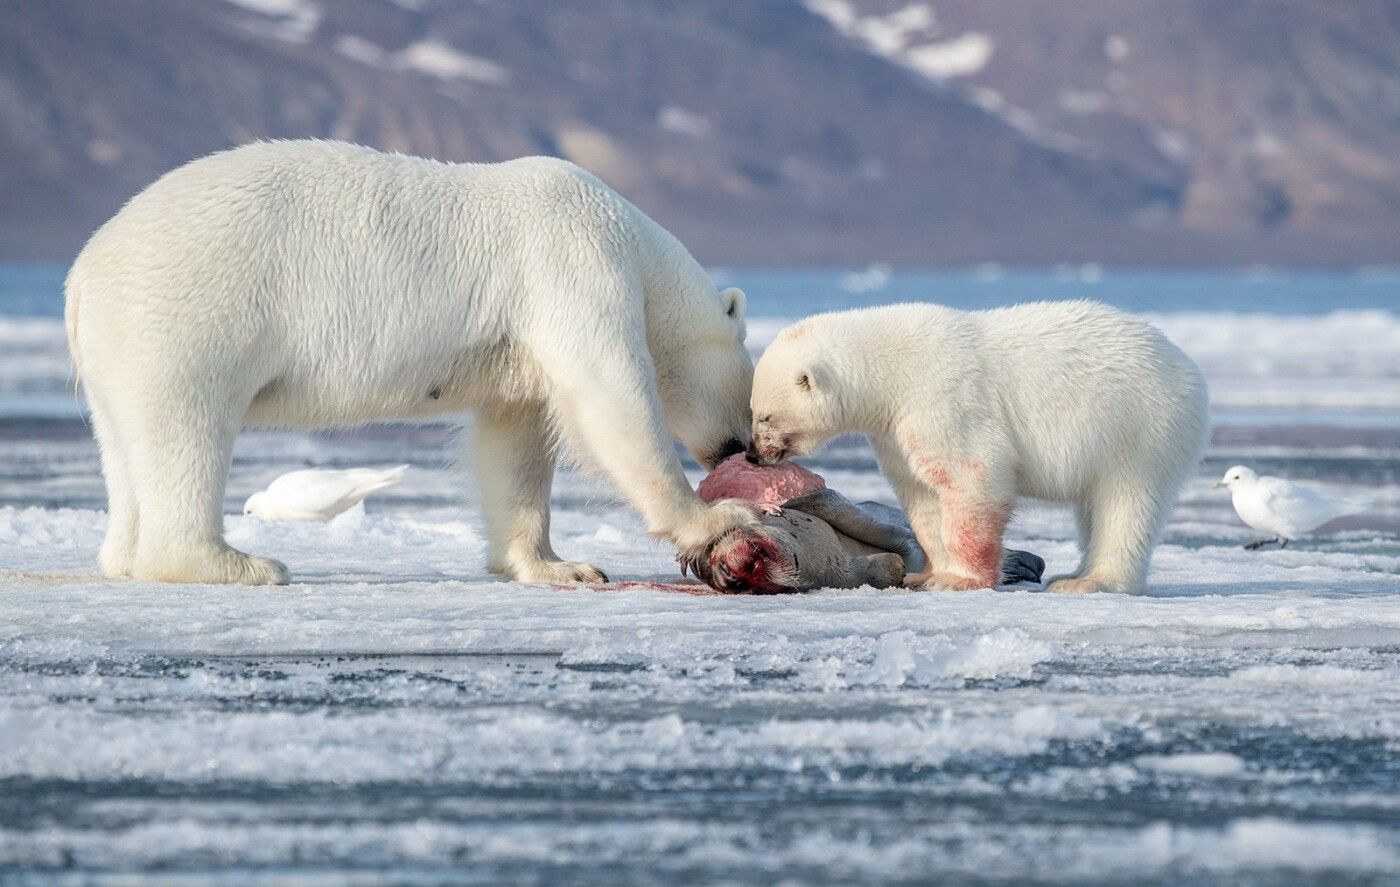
(751, 454)
(728, 448)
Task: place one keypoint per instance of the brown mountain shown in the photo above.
(760, 132)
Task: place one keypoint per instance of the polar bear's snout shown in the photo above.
(793, 399)
(768, 447)
(706, 378)
(772, 441)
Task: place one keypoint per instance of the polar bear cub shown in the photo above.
(970, 410)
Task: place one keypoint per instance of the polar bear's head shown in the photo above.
(705, 377)
(796, 407)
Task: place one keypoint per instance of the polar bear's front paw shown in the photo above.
(934, 580)
(713, 522)
(557, 573)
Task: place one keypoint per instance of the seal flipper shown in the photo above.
(858, 521)
(878, 570)
(1021, 566)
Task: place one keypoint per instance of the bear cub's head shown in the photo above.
(794, 403)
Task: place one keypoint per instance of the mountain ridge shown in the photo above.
(762, 133)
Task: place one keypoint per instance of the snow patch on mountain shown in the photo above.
(958, 57)
(682, 121)
(295, 20)
(904, 37)
(437, 59)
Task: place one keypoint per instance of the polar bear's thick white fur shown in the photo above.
(969, 410)
(318, 283)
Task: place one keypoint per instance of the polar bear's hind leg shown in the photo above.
(179, 455)
(118, 552)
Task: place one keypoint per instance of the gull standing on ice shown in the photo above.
(319, 494)
(1282, 507)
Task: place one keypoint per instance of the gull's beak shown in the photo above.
(1217, 485)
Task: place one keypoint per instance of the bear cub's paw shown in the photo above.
(116, 562)
(939, 581)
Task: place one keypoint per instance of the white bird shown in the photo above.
(1281, 507)
(319, 494)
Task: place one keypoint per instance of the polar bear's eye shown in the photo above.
(804, 382)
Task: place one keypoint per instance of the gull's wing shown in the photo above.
(329, 492)
(1303, 507)
(372, 480)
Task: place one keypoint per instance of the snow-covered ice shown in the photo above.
(398, 710)
(398, 714)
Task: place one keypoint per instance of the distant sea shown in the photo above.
(1277, 347)
(36, 290)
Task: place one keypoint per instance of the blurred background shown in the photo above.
(774, 133)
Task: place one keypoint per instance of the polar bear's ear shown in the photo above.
(811, 377)
(735, 302)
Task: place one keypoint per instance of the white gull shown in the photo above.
(1281, 507)
(319, 494)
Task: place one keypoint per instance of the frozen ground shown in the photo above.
(398, 710)
(397, 713)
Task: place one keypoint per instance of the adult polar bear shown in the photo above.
(305, 283)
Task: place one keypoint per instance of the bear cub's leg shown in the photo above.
(959, 513)
(1125, 520)
(971, 532)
